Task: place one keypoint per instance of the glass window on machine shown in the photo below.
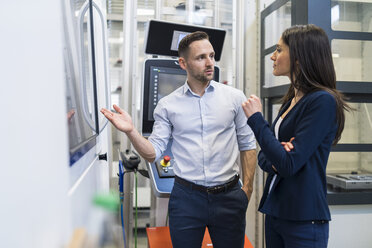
(100, 62)
(352, 60)
(353, 167)
(358, 125)
(349, 171)
(276, 23)
(350, 163)
(353, 15)
(78, 75)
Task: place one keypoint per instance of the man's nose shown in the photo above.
(210, 61)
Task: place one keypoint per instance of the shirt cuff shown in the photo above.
(157, 150)
(250, 146)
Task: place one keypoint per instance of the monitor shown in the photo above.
(161, 77)
(162, 38)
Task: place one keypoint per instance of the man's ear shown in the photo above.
(182, 62)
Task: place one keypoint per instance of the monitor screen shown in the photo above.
(161, 77)
(163, 81)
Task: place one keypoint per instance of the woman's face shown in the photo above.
(281, 60)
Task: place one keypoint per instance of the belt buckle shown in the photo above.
(210, 190)
(213, 189)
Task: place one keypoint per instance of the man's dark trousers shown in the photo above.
(191, 211)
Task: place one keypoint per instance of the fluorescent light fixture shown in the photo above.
(145, 12)
(113, 40)
(335, 13)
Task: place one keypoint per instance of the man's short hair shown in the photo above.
(183, 47)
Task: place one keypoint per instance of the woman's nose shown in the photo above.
(273, 56)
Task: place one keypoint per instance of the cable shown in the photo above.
(135, 220)
(121, 184)
(131, 164)
(122, 223)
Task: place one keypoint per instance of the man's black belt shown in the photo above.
(212, 189)
(319, 221)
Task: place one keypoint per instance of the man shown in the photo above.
(209, 128)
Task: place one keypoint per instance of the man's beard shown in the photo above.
(202, 77)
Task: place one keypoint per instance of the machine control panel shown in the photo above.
(164, 166)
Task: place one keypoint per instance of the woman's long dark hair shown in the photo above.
(311, 67)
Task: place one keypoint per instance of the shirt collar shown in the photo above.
(210, 87)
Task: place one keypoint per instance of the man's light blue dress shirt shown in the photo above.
(208, 132)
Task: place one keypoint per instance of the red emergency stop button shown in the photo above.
(165, 162)
(166, 159)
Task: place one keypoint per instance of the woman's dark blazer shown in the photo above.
(300, 191)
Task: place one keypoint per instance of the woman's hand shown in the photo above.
(121, 120)
(252, 105)
(288, 146)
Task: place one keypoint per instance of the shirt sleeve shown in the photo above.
(319, 119)
(161, 130)
(245, 135)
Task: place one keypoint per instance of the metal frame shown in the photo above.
(129, 66)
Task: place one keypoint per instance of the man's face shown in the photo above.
(199, 62)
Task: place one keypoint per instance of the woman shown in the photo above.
(296, 150)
